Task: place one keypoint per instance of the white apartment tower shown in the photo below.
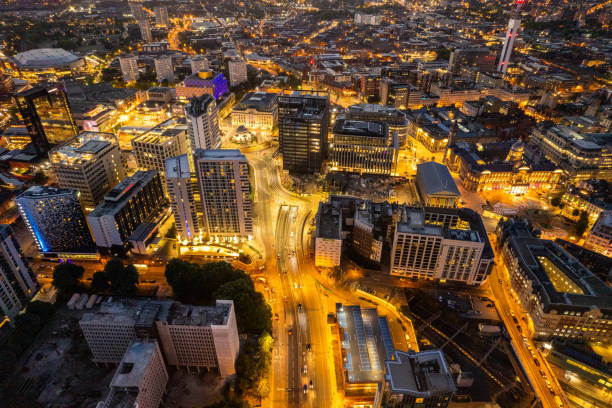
(513, 28)
(17, 285)
(203, 123)
(184, 198)
(237, 71)
(145, 30)
(129, 68)
(164, 69)
(161, 16)
(90, 163)
(223, 178)
(199, 63)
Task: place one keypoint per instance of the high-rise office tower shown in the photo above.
(137, 199)
(154, 147)
(203, 123)
(513, 27)
(145, 30)
(184, 194)
(237, 71)
(364, 147)
(303, 121)
(164, 69)
(223, 178)
(90, 163)
(47, 116)
(129, 68)
(161, 16)
(199, 63)
(55, 219)
(17, 283)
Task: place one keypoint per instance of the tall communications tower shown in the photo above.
(513, 27)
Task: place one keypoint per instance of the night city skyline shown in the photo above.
(305, 203)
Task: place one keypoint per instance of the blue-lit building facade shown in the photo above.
(201, 83)
(55, 219)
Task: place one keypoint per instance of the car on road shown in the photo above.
(305, 369)
(308, 347)
(311, 385)
(537, 363)
(305, 388)
(275, 316)
(290, 331)
(299, 306)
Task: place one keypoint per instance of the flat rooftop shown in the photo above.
(571, 136)
(219, 154)
(178, 167)
(366, 343)
(260, 101)
(413, 222)
(122, 192)
(188, 315)
(359, 128)
(82, 148)
(304, 106)
(328, 221)
(424, 374)
(133, 365)
(35, 192)
(128, 312)
(375, 109)
(162, 133)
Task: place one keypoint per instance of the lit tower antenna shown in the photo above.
(513, 27)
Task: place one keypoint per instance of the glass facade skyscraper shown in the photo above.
(303, 122)
(47, 116)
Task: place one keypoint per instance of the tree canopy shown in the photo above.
(202, 285)
(582, 224)
(253, 314)
(121, 279)
(194, 284)
(66, 278)
(100, 282)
